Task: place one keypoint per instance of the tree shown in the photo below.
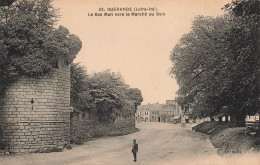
(81, 99)
(246, 15)
(30, 42)
(199, 62)
(103, 95)
(136, 95)
(216, 66)
(107, 91)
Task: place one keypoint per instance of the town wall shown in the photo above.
(35, 113)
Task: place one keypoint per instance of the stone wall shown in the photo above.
(84, 127)
(35, 113)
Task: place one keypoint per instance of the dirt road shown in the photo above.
(159, 144)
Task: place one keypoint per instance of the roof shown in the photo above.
(150, 107)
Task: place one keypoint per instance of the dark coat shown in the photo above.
(135, 148)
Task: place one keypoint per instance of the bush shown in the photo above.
(84, 129)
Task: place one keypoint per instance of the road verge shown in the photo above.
(229, 139)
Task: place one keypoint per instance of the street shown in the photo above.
(159, 143)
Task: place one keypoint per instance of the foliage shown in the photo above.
(245, 49)
(81, 99)
(112, 95)
(199, 59)
(247, 17)
(30, 44)
(136, 95)
(104, 94)
(216, 65)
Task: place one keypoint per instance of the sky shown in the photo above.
(138, 47)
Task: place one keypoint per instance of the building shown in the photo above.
(169, 112)
(139, 116)
(155, 115)
(149, 112)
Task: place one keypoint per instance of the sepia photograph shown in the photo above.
(125, 82)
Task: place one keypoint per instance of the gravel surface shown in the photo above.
(159, 144)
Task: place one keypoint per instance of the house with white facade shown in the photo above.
(169, 112)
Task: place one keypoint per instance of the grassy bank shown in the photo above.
(229, 139)
(83, 130)
(81, 138)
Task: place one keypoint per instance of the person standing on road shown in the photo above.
(135, 149)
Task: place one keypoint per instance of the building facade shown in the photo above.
(169, 112)
(149, 112)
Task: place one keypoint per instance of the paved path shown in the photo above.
(159, 143)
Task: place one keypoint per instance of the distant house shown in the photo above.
(139, 116)
(169, 112)
(149, 112)
(155, 115)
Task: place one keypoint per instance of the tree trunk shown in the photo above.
(238, 120)
(212, 118)
(241, 122)
(226, 118)
(259, 127)
(233, 120)
(220, 119)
